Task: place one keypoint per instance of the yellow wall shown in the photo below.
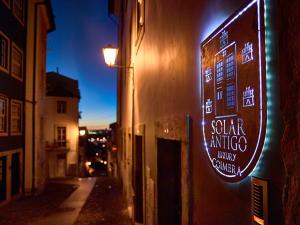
(68, 120)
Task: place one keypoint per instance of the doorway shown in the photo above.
(138, 180)
(15, 174)
(2, 178)
(169, 181)
(61, 165)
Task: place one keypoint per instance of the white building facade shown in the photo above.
(61, 125)
(40, 21)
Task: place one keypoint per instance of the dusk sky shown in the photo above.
(83, 27)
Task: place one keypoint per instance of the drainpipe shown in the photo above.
(133, 137)
(189, 163)
(36, 6)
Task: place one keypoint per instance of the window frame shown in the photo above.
(6, 70)
(12, 62)
(7, 3)
(21, 20)
(20, 103)
(61, 107)
(62, 142)
(230, 95)
(219, 71)
(5, 132)
(230, 66)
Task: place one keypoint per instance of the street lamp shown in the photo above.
(110, 54)
(82, 132)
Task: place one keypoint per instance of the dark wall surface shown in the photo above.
(10, 87)
(289, 67)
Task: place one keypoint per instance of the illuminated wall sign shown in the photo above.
(233, 82)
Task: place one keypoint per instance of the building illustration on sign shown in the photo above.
(234, 103)
(248, 97)
(208, 106)
(224, 39)
(226, 80)
(247, 53)
(208, 74)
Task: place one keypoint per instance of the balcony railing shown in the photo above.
(58, 145)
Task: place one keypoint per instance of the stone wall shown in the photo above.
(289, 67)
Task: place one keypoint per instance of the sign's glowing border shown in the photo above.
(269, 83)
(252, 3)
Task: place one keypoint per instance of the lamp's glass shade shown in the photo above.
(82, 132)
(110, 55)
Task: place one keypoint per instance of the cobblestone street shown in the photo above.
(104, 206)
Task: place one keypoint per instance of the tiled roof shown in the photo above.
(60, 85)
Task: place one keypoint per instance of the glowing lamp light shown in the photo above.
(110, 55)
(82, 132)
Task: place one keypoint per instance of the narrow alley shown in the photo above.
(78, 201)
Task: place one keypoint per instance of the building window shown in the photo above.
(3, 115)
(61, 138)
(6, 2)
(4, 52)
(230, 96)
(61, 106)
(140, 20)
(16, 117)
(17, 62)
(230, 66)
(219, 71)
(18, 10)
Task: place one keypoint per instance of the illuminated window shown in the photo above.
(61, 106)
(16, 117)
(3, 115)
(17, 62)
(4, 52)
(219, 68)
(230, 66)
(7, 3)
(61, 138)
(18, 10)
(230, 96)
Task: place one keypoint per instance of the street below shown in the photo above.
(78, 201)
